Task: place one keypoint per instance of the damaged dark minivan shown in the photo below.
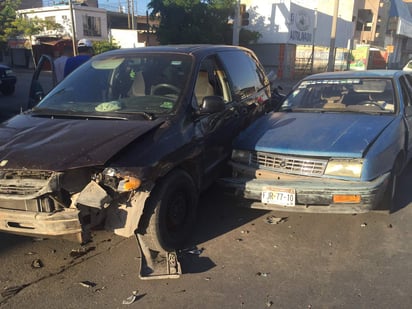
(127, 142)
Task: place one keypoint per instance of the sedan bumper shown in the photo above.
(8, 80)
(311, 194)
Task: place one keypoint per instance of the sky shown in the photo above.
(140, 6)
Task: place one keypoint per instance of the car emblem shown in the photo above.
(282, 163)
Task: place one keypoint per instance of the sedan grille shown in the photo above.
(289, 164)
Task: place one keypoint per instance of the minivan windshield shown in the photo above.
(127, 84)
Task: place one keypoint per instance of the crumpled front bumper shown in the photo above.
(62, 223)
(312, 194)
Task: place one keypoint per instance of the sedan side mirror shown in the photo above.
(211, 104)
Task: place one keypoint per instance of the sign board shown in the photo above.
(359, 59)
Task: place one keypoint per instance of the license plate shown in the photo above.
(278, 196)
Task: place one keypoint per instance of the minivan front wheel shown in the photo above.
(388, 201)
(170, 212)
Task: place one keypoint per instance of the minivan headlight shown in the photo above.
(344, 168)
(241, 156)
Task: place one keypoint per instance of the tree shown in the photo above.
(7, 16)
(103, 46)
(195, 21)
(23, 26)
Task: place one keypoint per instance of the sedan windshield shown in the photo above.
(126, 85)
(352, 95)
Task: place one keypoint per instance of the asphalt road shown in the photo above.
(304, 261)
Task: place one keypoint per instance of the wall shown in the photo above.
(126, 38)
(300, 21)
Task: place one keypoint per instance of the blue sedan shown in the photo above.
(337, 144)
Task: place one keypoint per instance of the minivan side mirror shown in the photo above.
(211, 104)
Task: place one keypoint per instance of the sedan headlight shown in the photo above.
(241, 156)
(344, 168)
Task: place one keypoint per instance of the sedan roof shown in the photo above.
(357, 74)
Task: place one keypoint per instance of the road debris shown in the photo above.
(37, 263)
(87, 284)
(131, 299)
(76, 253)
(13, 290)
(275, 220)
(364, 224)
(269, 303)
(260, 274)
(157, 265)
(193, 250)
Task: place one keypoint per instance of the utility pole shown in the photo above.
(315, 25)
(128, 15)
(331, 59)
(236, 24)
(133, 15)
(74, 40)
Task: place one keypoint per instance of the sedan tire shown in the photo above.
(7, 90)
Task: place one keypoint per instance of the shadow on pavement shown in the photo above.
(403, 197)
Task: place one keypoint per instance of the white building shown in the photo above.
(287, 24)
(89, 22)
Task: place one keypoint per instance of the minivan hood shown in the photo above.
(28, 142)
(314, 134)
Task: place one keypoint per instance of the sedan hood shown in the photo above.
(314, 134)
(60, 144)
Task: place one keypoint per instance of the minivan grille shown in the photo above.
(289, 164)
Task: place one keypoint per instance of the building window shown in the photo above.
(92, 26)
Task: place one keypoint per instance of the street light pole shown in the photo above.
(331, 61)
(236, 24)
(133, 15)
(315, 25)
(74, 40)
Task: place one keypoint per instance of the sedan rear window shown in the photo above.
(356, 95)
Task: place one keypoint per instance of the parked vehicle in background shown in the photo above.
(127, 141)
(7, 80)
(408, 66)
(337, 144)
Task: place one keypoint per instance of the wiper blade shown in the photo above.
(286, 109)
(72, 114)
(148, 116)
